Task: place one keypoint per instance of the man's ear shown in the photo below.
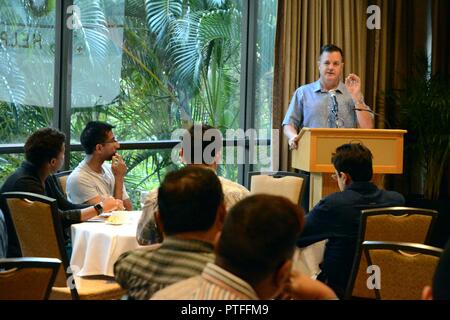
(182, 155)
(221, 213)
(159, 223)
(52, 162)
(427, 293)
(216, 239)
(98, 147)
(346, 178)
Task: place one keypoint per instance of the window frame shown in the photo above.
(63, 88)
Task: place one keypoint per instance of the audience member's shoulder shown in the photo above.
(182, 290)
(340, 197)
(134, 256)
(228, 184)
(396, 196)
(76, 173)
(25, 184)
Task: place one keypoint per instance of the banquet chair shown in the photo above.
(27, 278)
(62, 179)
(38, 227)
(400, 269)
(282, 183)
(401, 224)
(292, 186)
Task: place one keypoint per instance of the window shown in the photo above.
(27, 62)
(149, 68)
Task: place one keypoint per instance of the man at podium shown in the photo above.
(327, 102)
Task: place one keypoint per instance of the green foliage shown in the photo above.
(8, 164)
(425, 113)
(180, 64)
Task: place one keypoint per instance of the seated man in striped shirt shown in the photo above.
(253, 257)
(191, 212)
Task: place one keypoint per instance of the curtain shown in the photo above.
(441, 57)
(303, 26)
(441, 36)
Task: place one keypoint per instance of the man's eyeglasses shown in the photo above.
(113, 140)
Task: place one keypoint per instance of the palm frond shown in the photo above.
(160, 15)
(194, 34)
(93, 35)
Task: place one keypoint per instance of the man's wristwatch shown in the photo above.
(99, 208)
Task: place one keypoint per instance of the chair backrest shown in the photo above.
(397, 224)
(62, 179)
(287, 184)
(400, 269)
(27, 278)
(400, 224)
(39, 230)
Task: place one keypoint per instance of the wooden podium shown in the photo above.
(316, 145)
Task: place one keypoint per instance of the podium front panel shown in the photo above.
(316, 147)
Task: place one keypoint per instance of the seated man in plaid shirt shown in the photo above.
(191, 212)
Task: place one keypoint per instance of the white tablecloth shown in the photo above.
(97, 245)
(307, 260)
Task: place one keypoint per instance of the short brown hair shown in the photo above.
(43, 146)
(354, 159)
(331, 48)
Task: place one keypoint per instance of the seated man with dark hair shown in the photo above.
(337, 216)
(93, 179)
(441, 280)
(44, 154)
(253, 255)
(191, 213)
(201, 146)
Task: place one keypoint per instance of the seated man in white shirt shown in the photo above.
(147, 231)
(93, 179)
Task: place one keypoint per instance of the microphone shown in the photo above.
(375, 114)
(335, 106)
(334, 101)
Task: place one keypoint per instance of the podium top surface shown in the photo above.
(354, 131)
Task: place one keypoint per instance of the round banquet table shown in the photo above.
(97, 245)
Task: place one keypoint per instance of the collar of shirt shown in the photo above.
(174, 243)
(318, 88)
(29, 167)
(219, 276)
(360, 186)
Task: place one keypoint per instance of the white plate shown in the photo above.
(114, 223)
(118, 218)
